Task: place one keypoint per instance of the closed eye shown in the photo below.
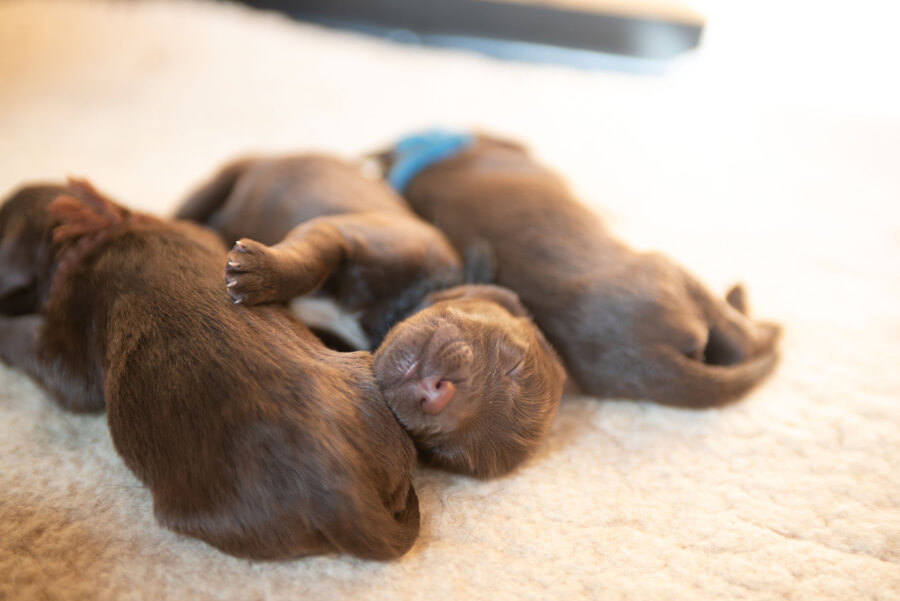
(515, 368)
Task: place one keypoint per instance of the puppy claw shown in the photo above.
(249, 273)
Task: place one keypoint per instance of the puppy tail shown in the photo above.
(685, 382)
(203, 203)
(85, 219)
(372, 531)
(82, 211)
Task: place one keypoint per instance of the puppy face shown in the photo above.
(25, 230)
(471, 379)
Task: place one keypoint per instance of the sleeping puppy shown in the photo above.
(251, 435)
(627, 324)
(468, 375)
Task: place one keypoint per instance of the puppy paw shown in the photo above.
(251, 273)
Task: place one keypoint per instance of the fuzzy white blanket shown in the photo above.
(764, 157)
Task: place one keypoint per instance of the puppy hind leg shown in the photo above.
(372, 530)
(204, 202)
(737, 298)
(679, 381)
(733, 337)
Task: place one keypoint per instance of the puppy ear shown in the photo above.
(504, 297)
(15, 273)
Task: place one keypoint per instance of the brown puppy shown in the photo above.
(627, 324)
(468, 375)
(250, 434)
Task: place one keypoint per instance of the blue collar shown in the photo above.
(418, 151)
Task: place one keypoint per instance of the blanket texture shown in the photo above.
(765, 157)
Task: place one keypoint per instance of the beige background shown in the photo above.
(770, 156)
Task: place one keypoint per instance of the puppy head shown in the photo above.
(37, 225)
(472, 380)
(25, 238)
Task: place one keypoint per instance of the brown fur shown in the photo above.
(354, 240)
(627, 324)
(250, 434)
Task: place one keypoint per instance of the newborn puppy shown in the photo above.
(627, 324)
(468, 374)
(251, 435)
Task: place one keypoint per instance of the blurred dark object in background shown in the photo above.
(645, 29)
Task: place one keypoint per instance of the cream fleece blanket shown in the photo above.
(763, 157)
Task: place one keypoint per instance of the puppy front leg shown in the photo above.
(21, 347)
(256, 273)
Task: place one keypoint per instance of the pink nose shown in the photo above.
(434, 394)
